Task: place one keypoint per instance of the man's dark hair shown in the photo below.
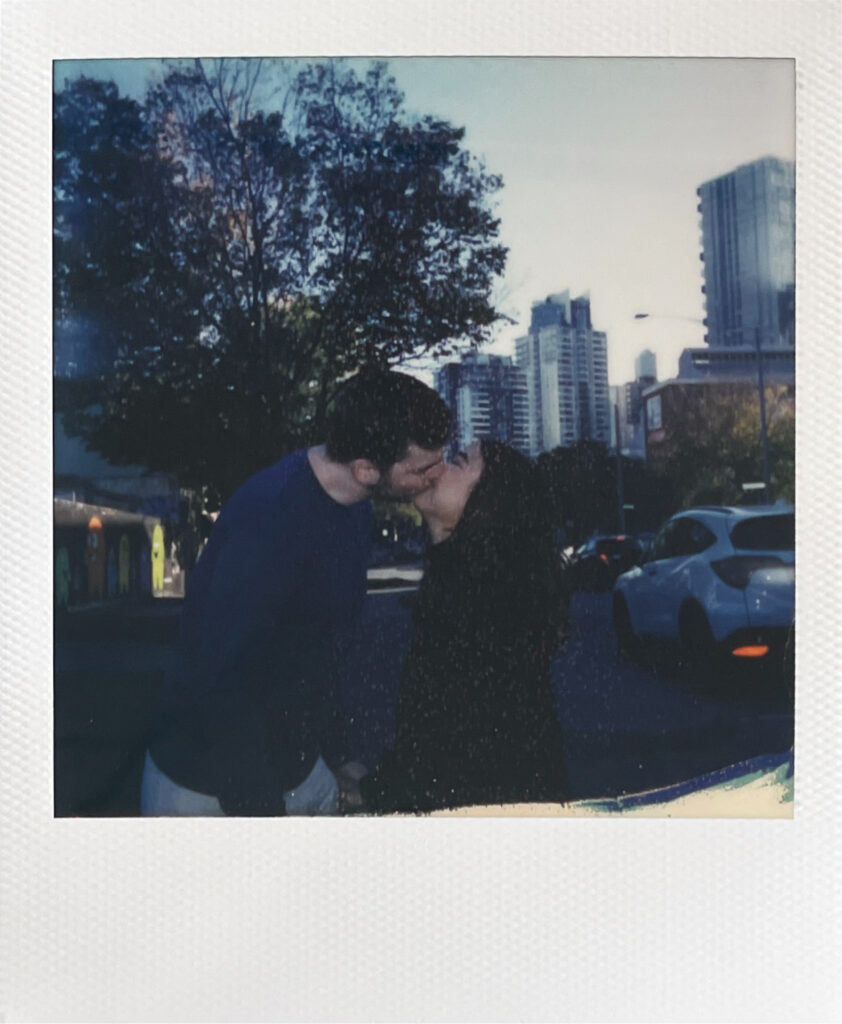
(377, 413)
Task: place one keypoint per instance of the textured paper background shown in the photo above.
(562, 920)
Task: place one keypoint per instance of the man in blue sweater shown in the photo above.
(244, 712)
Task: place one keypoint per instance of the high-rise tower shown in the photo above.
(565, 363)
(646, 367)
(629, 399)
(748, 238)
(487, 393)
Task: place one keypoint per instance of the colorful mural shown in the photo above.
(102, 553)
(124, 563)
(95, 559)
(157, 559)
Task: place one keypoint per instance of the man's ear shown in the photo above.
(365, 472)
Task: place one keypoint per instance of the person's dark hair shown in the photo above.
(507, 532)
(377, 413)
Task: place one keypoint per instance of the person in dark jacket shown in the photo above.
(476, 720)
(244, 715)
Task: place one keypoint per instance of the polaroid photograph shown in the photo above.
(406, 451)
(237, 238)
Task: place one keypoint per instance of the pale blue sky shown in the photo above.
(601, 158)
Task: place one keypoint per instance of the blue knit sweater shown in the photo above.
(243, 711)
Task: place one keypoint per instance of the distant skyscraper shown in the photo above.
(646, 367)
(617, 396)
(487, 393)
(629, 400)
(566, 367)
(748, 238)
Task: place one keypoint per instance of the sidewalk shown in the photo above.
(148, 620)
(156, 619)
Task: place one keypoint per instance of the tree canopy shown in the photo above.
(244, 238)
(582, 481)
(711, 449)
(714, 447)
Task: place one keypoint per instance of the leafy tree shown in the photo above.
(582, 479)
(713, 447)
(780, 410)
(276, 230)
(407, 245)
(113, 252)
(122, 282)
(583, 488)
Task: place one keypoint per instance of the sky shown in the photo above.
(601, 159)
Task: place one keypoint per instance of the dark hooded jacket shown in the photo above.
(476, 718)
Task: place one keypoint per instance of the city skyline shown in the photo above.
(601, 159)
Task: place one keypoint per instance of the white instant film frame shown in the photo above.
(413, 919)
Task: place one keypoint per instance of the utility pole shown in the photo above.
(621, 512)
(767, 491)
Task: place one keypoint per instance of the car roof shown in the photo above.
(741, 511)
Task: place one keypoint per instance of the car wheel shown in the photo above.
(627, 639)
(697, 640)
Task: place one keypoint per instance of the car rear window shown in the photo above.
(765, 533)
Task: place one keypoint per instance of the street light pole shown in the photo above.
(767, 494)
(620, 506)
(668, 316)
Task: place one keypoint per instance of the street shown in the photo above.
(630, 728)
(627, 728)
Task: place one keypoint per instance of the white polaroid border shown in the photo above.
(370, 920)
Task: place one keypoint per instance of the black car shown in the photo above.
(599, 561)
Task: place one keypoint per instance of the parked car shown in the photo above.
(719, 581)
(599, 561)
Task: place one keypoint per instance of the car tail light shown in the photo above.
(751, 651)
(604, 557)
(737, 570)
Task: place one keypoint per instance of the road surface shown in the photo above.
(627, 728)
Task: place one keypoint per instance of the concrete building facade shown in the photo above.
(737, 363)
(748, 243)
(629, 402)
(488, 395)
(565, 364)
(646, 367)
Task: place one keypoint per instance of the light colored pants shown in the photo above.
(318, 794)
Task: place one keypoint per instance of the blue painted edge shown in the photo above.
(743, 771)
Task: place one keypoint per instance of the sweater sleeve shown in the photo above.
(255, 716)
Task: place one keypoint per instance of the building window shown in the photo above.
(653, 412)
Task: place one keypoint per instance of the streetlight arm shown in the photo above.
(668, 316)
